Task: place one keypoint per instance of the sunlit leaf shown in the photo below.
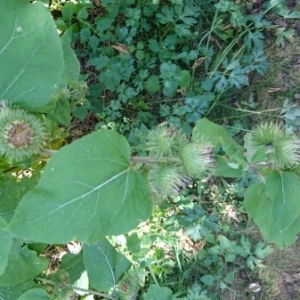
(104, 264)
(88, 190)
(31, 55)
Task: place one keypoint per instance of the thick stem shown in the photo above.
(152, 160)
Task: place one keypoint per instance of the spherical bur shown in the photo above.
(197, 158)
(21, 134)
(286, 153)
(164, 141)
(282, 149)
(167, 180)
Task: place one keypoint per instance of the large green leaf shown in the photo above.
(71, 64)
(260, 207)
(13, 292)
(232, 162)
(5, 242)
(31, 55)
(23, 264)
(88, 190)
(11, 193)
(283, 189)
(34, 294)
(73, 265)
(104, 265)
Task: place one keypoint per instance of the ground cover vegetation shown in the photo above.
(133, 163)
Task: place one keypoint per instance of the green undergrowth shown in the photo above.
(149, 149)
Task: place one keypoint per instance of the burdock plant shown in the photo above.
(21, 134)
(175, 160)
(282, 150)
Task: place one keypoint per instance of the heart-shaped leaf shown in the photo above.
(282, 189)
(104, 264)
(87, 191)
(31, 55)
(260, 207)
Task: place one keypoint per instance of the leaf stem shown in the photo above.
(48, 152)
(152, 160)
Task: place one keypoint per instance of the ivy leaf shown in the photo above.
(32, 76)
(89, 189)
(104, 265)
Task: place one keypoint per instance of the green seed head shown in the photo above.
(197, 158)
(282, 149)
(164, 141)
(21, 134)
(167, 180)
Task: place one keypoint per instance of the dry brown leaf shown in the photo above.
(231, 213)
(77, 132)
(121, 48)
(274, 90)
(97, 3)
(198, 62)
(253, 287)
(297, 96)
(287, 278)
(296, 275)
(74, 247)
(212, 39)
(200, 245)
(187, 244)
